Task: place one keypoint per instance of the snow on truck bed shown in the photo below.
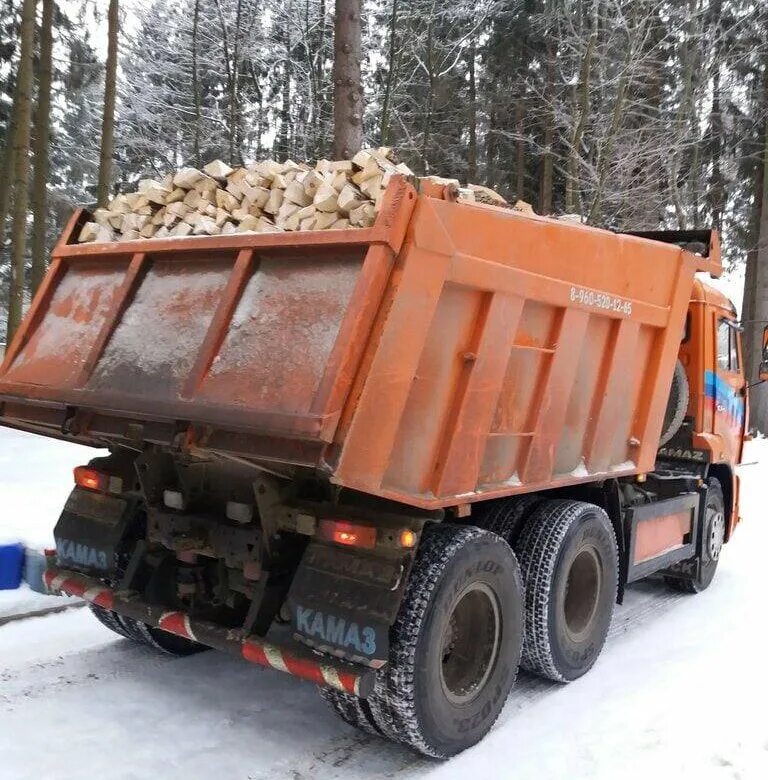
(680, 689)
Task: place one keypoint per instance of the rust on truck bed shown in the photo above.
(452, 352)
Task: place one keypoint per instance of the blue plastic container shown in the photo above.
(11, 565)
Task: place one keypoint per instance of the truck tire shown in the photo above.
(455, 645)
(352, 710)
(506, 517)
(569, 562)
(695, 576)
(109, 619)
(677, 405)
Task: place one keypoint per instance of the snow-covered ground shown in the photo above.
(680, 689)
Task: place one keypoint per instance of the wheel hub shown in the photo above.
(716, 535)
(470, 643)
(582, 592)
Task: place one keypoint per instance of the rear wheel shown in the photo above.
(507, 516)
(569, 563)
(696, 575)
(677, 405)
(456, 643)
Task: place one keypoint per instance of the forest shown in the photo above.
(632, 114)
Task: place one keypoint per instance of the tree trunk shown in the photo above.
(6, 171)
(472, 146)
(547, 166)
(196, 85)
(755, 307)
(23, 120)
(572, 180)
(42, 140)
(520, 146)
(393, 61)
(348, 90)
(110, 97)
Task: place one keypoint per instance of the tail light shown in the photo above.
(346, 533)
(90, 479)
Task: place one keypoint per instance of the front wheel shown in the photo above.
(696, 575)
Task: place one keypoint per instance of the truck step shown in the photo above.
(322, 670)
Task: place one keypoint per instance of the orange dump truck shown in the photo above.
(399, 462)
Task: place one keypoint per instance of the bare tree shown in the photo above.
(110, 99)
(41, 144)
(23, 120)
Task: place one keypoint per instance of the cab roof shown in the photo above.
(709, 295)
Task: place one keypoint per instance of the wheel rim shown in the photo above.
(470, 643)
(716, 534)
(582, 593)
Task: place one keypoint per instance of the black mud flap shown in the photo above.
(91, 531)
(343, 601)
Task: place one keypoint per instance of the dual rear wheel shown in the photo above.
(467, 622)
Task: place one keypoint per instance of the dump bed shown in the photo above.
(451, 352)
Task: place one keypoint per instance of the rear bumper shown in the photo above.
(348, 678)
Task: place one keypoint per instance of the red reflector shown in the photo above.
(90, 479)
(350, 534)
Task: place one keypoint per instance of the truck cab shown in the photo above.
(712, 433)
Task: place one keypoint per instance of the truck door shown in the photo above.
(726, 387)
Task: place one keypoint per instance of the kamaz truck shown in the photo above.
(401, 462)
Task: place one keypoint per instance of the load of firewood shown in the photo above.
(264, 197)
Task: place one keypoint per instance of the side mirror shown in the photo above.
(764, 359)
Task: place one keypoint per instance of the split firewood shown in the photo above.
(217, 170)
(350, 198)
(182, 229)
(266, 196)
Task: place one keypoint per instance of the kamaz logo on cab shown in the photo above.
(335, 630)
(81, 554)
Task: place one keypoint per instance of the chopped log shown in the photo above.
(326, 199)
(487, 195)
(265, 226)
(226, 201)
(218, 169)
(154, 191)
(159, 217)
(368, 171)
(350, 198)
(116, 221)
(192, 199)
(222, 216)
(373, 186)
(176, 196)
(93, 232)
(179, 209)
(120, 204)
(206, 226)
(340, 224)
(341, 166)
(149, 230)
(102, 217)
(182, 229)
(255, 196)
(187, 178)
(363, 216)
(275, 201)
(170, 219)
(162, 232)
(249, 225)
(324, 219)
(129, 235)
(295, 193)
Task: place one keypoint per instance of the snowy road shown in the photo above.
(680, 689)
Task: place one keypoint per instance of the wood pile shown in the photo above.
(264, 197)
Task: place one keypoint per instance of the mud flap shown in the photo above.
(343, 601)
